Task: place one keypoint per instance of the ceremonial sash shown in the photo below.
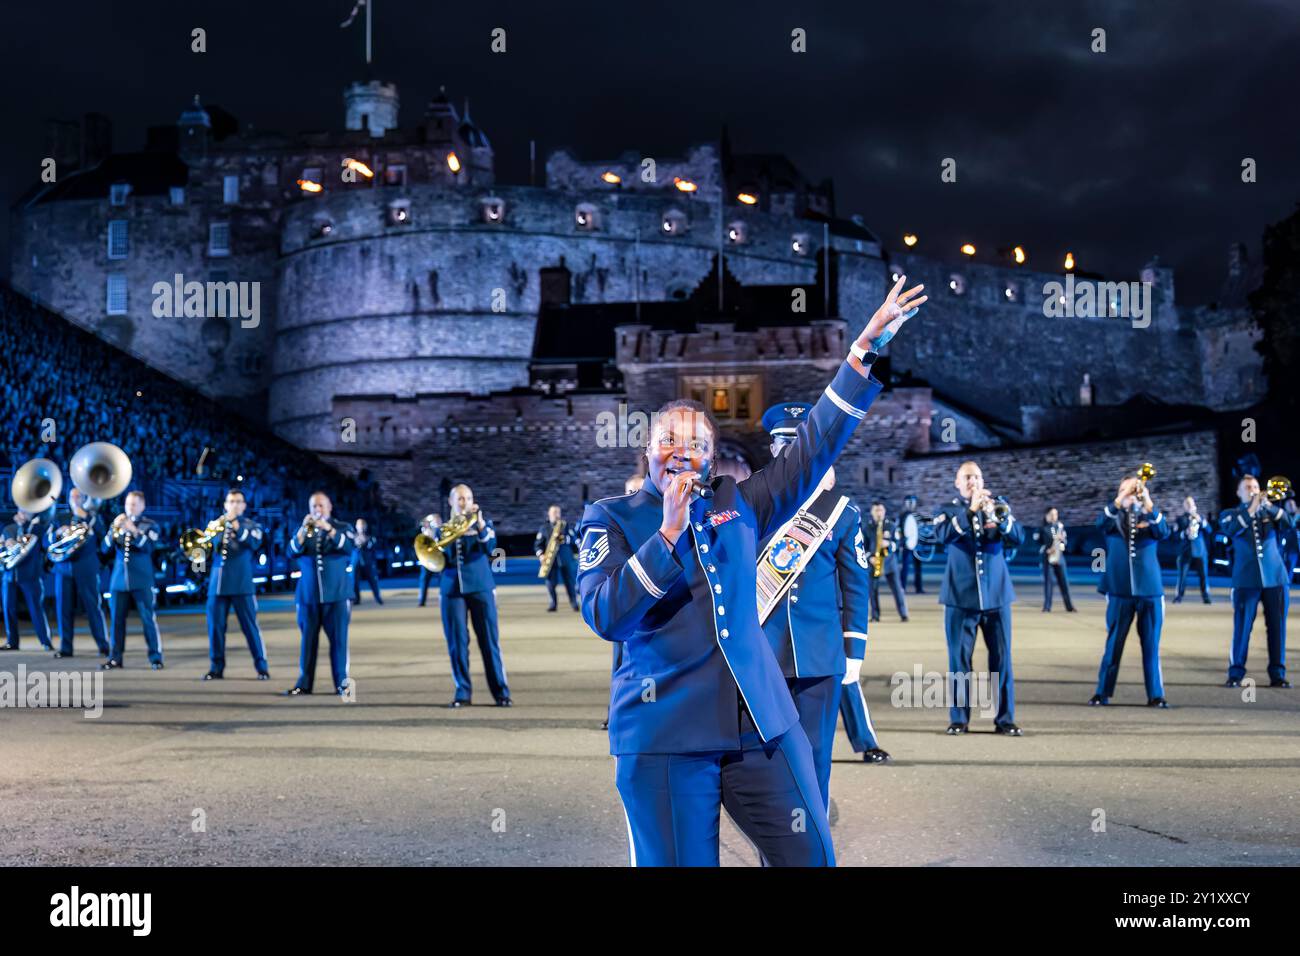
(788, 552)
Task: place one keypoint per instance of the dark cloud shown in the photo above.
(1116, 156)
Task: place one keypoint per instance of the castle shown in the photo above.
(422, 321)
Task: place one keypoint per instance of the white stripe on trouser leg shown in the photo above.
(631, 843)
(866, 712)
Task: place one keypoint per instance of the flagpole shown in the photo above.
(369, 6)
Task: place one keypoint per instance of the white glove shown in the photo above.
(853, 671)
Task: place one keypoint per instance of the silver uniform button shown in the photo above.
(712, 569)
(704, 549)
(698, 526)
(724, 632)
(721, 610)
(717, 589)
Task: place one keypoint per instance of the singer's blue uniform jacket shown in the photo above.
(687, 615)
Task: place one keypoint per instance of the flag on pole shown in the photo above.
(353, 15)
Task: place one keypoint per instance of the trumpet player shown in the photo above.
(469, 591)
(1258, 577)
(1192, 552)
(1131, 581)
(76, 576)
(133, 538)
(364, 564)
(230, 585)
(882, 538)
(1051, 549)
(23, 580)
(560, 541)
(976, 593)
(323, 548)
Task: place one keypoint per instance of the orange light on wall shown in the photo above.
(611, 177)
(909, 239)
(967, 249)
(1019, 254)
(358, 166)
(1069, 261)
(684, 185)
(453, 162)
(748, 199)
(307, 186)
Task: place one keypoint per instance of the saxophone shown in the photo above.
(1054, 549)
(878, 556)
(552, 549)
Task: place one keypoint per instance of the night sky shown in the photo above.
(1115, 156)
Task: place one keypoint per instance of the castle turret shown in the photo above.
(371, 106)
(195, 130)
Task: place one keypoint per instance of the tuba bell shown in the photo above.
(36, 486)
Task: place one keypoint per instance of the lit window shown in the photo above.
(736, 232)
(312, 174)
(178, 195)
(721, 402)
(230, 190)
(674, 223)
(585, 217)
(219, 239)
(1010, 293)
(800, 244)
(117, 239)
(395, 175)
(115, 295)
(494, 209)
(742, 403)
(956, 284)
(399, 212)
(118, 192)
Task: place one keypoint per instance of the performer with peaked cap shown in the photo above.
(814, 608)
(700, 712)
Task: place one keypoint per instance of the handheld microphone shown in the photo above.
(700, 488)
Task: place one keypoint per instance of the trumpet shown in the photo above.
(998, 507)
(196, 545)
(1278, 489)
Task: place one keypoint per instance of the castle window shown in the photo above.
(721, 404)
(736, 232)
(178, 195)
(493, 209)
(117, 239)
(219, 239)
(230, 190)
(956, 284)
(115, 295)
(322, 228)
(117, 193)
(674, 223)
(395, 175)
(742, 403)
(586, 218)
(1011, 294)
(800, 244)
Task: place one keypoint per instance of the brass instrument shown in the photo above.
(1057, 546)
(878, 555)
(11, 556)
(1193, 527)
(71, 537)
(999, 508)
(196, 545)
(429, 549)
(1278, 489)
(99, 470)
(552, 548)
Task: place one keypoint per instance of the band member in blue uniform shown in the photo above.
(1051, 539)
(133, 538)
(25, 580)
(976, 593)
(230, 586)
(700, 713)
(908, 558)
(365, 562)
(429, 525)
(76, 573)
(1132, 527)
(814, 608)
(1192, 531)
(469, 590)
(1291, 540)
(323, 549)
(1258, 577)
(565, 564)
(882, 542)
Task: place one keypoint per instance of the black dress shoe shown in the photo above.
(505, 702)
(1047, 610)
(874, 620)
(48, 647)
(1177, 600)
(156, 666)
(1283, 683)
(296, 692)
(1098, 701)
(550, 610)
(1071, 610)
(604, 725)
(876, 755)
(1158, 702)
(60, 654)
(1011, 730)
(1232, 682)
(903, 618)
(110, 665)
(576, 608)
(263, 675)
(1206, 601)
(8, 647)
(457, 704)
(213, 675)
(955, 729)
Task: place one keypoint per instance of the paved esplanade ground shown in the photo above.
(395, 778)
